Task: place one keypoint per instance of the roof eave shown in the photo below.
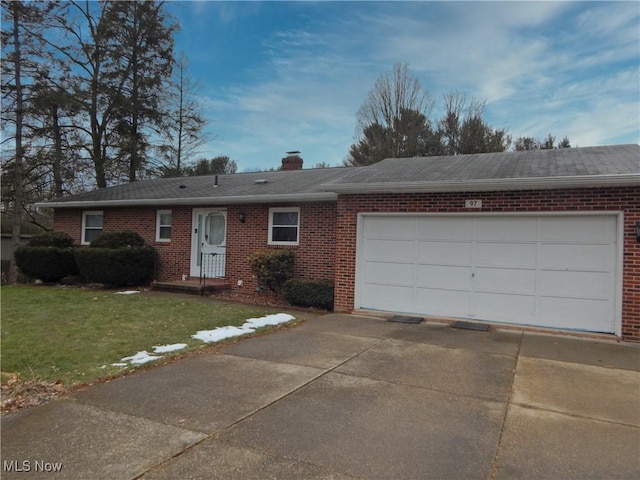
(531, 183)
(204, 201)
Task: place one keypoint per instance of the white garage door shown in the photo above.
(546, 270)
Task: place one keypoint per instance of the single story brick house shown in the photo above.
(549, 238)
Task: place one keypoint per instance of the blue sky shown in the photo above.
(280, 76)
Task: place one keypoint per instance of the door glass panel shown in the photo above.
(215, 229)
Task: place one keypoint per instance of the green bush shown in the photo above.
(51, 239)
(49, 264)
(125, 239)
(117, 267)
(272, 267)
(309, 293)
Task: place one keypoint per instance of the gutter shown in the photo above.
(531, 183)
(198, 201)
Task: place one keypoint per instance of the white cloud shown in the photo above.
(541, 66)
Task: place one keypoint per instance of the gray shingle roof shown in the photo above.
(608, 160)
(595, 166)
(239, 187)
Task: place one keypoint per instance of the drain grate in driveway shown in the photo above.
(481, 327)
(405, 319)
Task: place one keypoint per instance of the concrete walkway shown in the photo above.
(347, 397)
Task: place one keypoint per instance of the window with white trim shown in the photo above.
(91, 226)
(284, 225)
(163, 226)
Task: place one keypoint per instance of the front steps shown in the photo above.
(194, 287)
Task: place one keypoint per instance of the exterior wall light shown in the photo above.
(242, 217)
(638, 231)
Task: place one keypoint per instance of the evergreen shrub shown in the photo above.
(48, 257)
(309, 293)
(117, 267)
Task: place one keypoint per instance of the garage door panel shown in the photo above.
(444, 253)
(548, 270)
(388, 297)
(446, 303)
(391, 251)
(444, 277)
(502, 307)
(575, 313)
(576, 257)
(390, 228)
(506, 254)
(389, 273)
(595, 285)
(510, 280)
(584, 229)
(506, 229)
(444, 228)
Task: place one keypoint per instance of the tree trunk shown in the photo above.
(57, 153)
(16, 216)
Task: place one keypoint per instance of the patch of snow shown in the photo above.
(128, 292)
(221, 333)
(250, 326)
(207, 336)
(169, 348)
(274, 319)
(140, 358)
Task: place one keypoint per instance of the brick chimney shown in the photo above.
(293, 161)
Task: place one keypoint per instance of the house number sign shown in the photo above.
(473, 203)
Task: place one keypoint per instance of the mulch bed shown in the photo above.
(262, 299)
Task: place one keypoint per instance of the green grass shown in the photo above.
(68, 334)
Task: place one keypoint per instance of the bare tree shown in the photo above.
(394, 119)
(142, 34)
(19, 52)
(118, 53)
(532, 143)
(184, 124)
(220, 165)
(394, 122)
(462, 128)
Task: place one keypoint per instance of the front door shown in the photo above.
(209, 243)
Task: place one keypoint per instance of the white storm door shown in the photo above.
(209, 243)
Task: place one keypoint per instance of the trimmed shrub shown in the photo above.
(124, 239)
(48, 257)
(51, 239)
(117, 267)
(309, 293)
(272, 267)
(49, 264)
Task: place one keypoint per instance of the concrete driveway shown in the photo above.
(347, 397)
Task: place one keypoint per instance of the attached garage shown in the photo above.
(534, 269)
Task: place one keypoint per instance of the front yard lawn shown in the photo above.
(73, 335)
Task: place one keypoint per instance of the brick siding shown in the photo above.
(571, 200)
(314, 254)
(319, 256)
